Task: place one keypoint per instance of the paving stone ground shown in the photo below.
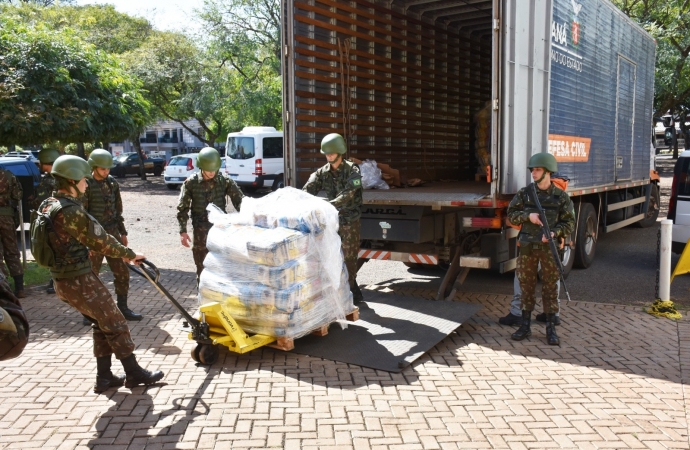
(619, 380)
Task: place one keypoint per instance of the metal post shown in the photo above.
(665, 260)
(21, 229)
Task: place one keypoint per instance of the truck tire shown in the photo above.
(278, 183)
(568, 259)
(653, 210)
(587, 234)
(157, 171)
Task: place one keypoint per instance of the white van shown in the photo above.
(254, 158)
(679, 203)
(179, 168)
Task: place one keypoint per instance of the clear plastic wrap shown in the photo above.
(277, 265)
(371, 175)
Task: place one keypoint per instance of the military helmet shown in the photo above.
(71, 167)
(48, 155)
(333, 143)
(208, 159)
(545, 160)
(101, 158)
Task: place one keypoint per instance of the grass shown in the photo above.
(37, 275)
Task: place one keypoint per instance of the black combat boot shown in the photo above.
(524, 330)
(104, 377)
(551, 336)
(542, 318)
(357, 295)
(19, 286)
(510, 320)
(124, 309)
(50, 289)
(137, 375)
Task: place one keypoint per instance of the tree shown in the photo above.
(53, 86)
(34, 2)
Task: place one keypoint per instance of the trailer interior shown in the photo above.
(402, 80)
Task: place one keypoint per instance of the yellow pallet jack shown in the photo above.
(215, 326)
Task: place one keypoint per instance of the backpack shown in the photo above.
(41, 227)
(14, 325)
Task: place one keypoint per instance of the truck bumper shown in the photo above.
(258, 181)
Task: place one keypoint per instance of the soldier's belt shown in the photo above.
(6, 211)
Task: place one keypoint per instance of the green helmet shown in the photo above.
(545, 160)
(48, 155)
(333, 143)
(101, 158)
(71, 167)
(208, 159)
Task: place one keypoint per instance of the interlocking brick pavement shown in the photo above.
(617, 381)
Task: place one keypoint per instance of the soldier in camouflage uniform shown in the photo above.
(103, 201)
(45, 188)
(534, 247)
(342, 181)
(200, 189)
(10, 194)
(74, 232)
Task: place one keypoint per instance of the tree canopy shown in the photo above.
(53, 86)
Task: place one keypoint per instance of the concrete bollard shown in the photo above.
(665, 260)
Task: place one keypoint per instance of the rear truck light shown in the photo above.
(258, 167)
(482, 222)
(190, 165)
(672, 201)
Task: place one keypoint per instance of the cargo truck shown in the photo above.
(460, 94)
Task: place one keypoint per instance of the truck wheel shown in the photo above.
(157, 171)
(653, 210)
(278, 183)
(568, 258)
(587, 235)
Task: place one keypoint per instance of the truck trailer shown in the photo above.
(460, 94)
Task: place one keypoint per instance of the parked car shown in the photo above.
(179, 168)
(679, 203)
(128, 164)
(28, 176)
(26, 154)
(254, 158)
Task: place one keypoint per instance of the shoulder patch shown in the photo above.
(98, 230)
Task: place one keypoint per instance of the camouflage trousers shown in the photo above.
(349, 236)
(88, 295)
(8, 247)
(199, 250)
(117, 266)
(527, 269)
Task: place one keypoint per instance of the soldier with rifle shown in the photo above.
(546, 214)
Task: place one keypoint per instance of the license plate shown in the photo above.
(177, 179)
(234, 176)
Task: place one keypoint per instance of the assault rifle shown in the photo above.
(552, 242)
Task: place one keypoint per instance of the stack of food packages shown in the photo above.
(277, 265)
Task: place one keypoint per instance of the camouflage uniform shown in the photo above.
(560, 215)
(195, 195)
(103, 201)
(10, 194)
(75, 282)
(343, 188)
(44, 190)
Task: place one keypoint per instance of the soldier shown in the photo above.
(342, 181)
(74, 232)
(103, 201)
(45, 188)
(200, 189)
(10, 194)
(534, 247)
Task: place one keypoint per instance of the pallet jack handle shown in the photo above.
(149, 271)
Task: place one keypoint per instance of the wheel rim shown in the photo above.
(567, 254)
(589, 242)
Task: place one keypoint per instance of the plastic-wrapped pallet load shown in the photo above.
(277, 265)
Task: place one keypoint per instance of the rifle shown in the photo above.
(552, 242)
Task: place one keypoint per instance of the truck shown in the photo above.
(461, 95)
(128, 164)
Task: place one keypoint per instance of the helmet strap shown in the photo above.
(543, 175)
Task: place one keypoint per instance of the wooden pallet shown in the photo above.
(287, 344)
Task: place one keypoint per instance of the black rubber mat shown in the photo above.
(392, 331)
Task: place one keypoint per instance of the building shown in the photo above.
(164, 139)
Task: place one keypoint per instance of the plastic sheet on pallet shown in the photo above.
(277, 264)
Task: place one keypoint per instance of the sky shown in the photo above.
(168, 15)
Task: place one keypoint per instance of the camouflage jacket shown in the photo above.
(197, 193)
(44, 190)
(343, 188)
(557, 206)
(75, 227)
(103, 201)
(10, 193)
